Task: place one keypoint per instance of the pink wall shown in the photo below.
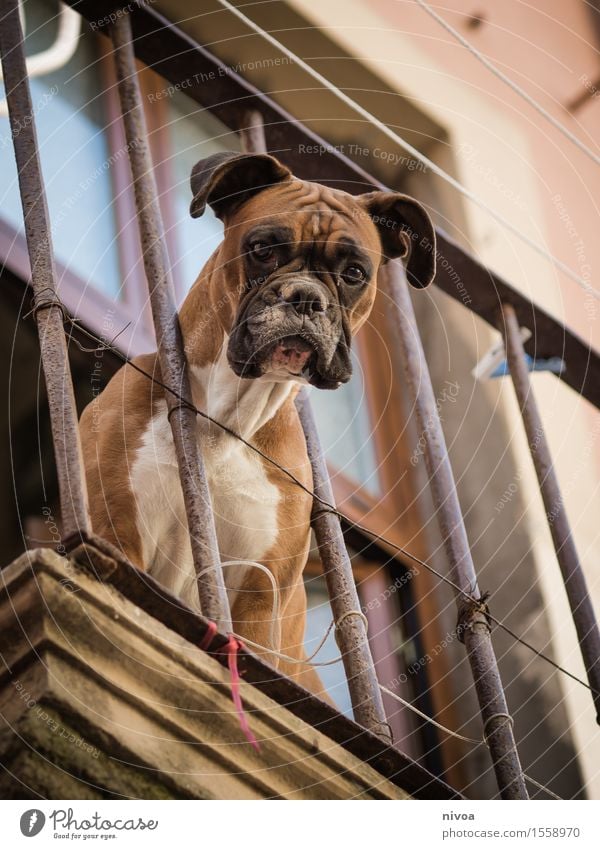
(548, 47)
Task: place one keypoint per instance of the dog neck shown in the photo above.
(241, 404)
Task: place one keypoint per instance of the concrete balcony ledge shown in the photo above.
(100, 699)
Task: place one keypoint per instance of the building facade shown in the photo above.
(398, 63)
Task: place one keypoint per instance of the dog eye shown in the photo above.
(354, 274)
(261, 251)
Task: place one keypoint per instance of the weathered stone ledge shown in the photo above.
(98, 699)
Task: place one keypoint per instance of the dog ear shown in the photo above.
(406, 231)
(225, 180)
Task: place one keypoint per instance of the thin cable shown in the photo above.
(275, 609)
(542, 787)
(309, 661)
(430, 719)
(509, 82)
(288, 659)
(275, 615)
(330, 507)
(471, 740)
(412, 150)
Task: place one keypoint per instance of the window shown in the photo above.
(193, 133)
(75, 156)
(318, 619)
(86, 173)
(345, 429)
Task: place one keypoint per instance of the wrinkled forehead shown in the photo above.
(313, 214)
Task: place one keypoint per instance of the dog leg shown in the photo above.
(293, 628)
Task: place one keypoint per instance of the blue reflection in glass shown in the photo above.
(75, 157)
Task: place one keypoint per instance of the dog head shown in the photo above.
(299, 264)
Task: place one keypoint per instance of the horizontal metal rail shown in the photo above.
(169, 51)
(48, 311)
(173, 368)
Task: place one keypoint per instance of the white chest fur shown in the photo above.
(244, 501)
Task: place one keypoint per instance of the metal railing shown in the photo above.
(171, 357)
(582, 610)
(244, 109)
(47, 309)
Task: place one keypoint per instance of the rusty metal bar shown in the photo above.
(351, 631)
(582, 609)
(48, 312)
(473, 623)
(211, 588)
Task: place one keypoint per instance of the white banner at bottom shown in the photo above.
(289, 824)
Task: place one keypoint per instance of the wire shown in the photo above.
(542, 787)
(275, 616)
(309, 661)
(330, 507)
(509, 82)
(458, 736)
(275, 608)
(368, 116)
(429, 718)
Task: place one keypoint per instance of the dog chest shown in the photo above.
(244, 504)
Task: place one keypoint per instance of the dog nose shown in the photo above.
(306, 298)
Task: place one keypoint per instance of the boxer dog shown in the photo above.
(276, 306)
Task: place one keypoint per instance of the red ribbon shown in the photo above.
(209, 636)
(231, 649)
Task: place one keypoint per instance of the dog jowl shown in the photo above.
(276, 306)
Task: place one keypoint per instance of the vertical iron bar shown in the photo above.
(582, 609)
(211, 588)
(475, 630)
(47, 308)
(351, 632)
